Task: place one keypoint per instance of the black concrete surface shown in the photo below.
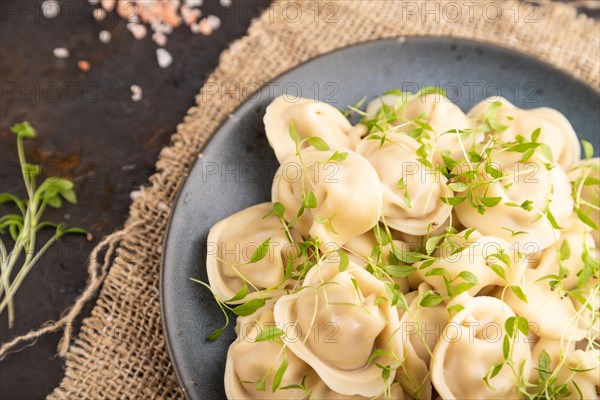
(89, 131)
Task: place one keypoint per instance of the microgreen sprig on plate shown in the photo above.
(23, 227)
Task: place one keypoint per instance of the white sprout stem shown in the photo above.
(23, 273)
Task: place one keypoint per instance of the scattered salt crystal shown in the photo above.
(126, 9)
(93, 2)
(164, 58)
(99, 14)
(194, 28)
(189, 15)
(137, 30)
(136, 93)
(50, 9)
(104, 36)
(160, 39)
(108, 5)
(193, 3)
(204, 28)
(225, 3)
(213, 21)
(61, 52)
(83, 65)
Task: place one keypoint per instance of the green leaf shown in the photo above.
(552, 220)
(24, 130)
(243, 310)
(75, 230)
(536, 135)
(519, 293)
(269, 334)
(564, 251)
(215, 335)
(278, 209)
(310, 200)
(260, 252)
(588, 149)
(490, 201)
(380, 300)
(462, 287)
(317, 143)
(469, 277)
(492, 171)
(431, 299)
(338, 157)
(458, 186)
(523, 325)
(239, 295)
(279, 373)
(509, 326)
(496, 370)
(31, 170)
(70, 196)
(260, 385)
(399, 271)
(294, 134)
(436, 272)
(498, 270)
(505, 347)
(586, 219)
(432, 243)
(381, 235)
(344, 261)
(456, 308)
(452, 201)
(544, 365)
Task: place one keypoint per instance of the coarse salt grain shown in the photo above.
(108, 5)
(164, 58)
(213, 21)
(104, 36)
(83, 65)
(193, 3)
(160, 39)
(137, 30)
(93, 2)
(61, 52)
(204, 28)
(225, 3)
(136, 93)
(50, 9)
(99, 14)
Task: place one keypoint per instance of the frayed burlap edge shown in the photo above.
(120, 350)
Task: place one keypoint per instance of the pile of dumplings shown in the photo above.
(421, 253)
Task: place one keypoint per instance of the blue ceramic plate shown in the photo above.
(238, 164)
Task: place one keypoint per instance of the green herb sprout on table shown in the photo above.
(23, 226)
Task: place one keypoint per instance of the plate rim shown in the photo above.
(168, 338)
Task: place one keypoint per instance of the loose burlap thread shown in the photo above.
(120, 351)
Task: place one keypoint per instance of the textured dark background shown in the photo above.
(92, 133)
(89, 131)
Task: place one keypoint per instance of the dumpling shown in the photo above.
(360, 251)
(421, 330)
(553, 314)
(354, 305)
(555, 130)
(471, 345)
(249, 362)
(589, 170)
(231, 243)
(413, 206)
(324, 393)
(463, 258)
(452, 129)
(346, 195)
(310, 118)
(582, 383)
(529, 182)
(567, 253)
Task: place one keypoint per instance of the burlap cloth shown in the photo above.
(120, 351)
